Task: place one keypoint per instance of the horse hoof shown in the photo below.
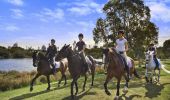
(48, 89)
(107, 92)
(72, 97)
(125, 90)
(65, 84)
(76, 93)
(83, 90)
(116, 98)
(31, 88)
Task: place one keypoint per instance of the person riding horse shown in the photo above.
(122, 46)
(153, 48)
(81, 45)
(50, 54)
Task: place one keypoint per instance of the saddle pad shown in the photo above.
(129, 63)
(57, 64)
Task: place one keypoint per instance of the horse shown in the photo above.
(150, 67)
(43, 68)
(76, 66)
(116, 68)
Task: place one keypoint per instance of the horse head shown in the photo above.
(105, 52)
(34, 58)
(63, 53)
(149, 55)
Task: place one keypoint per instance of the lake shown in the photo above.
(20, 64)
(16, 64)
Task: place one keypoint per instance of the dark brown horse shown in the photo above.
(116, 68)
(43, 68)
(76, 66)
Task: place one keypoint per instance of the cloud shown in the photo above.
(48, 14)
(16, 2)
(12, 28)
(83, 8)
(17, 13)
(159, 10)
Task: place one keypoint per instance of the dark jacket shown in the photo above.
(51, 51)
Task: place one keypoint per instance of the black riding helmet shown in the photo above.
(121, 32)
(52, 40)
(80, 35)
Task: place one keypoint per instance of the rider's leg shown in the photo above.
(126, 65)
(52, 64)
(84, 61)
(156, 62)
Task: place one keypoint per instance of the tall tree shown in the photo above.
(166, 48)
(133, 17)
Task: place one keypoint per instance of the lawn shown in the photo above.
(138, 89)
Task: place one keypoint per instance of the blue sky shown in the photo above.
(35, 22)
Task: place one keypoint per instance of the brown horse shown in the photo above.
(76, 66)
(43, 68)
(116, 68)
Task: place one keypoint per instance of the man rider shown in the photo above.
(50, 54)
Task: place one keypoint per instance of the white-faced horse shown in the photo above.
(150, 73)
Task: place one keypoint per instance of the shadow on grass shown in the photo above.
(29, 95)
(154, 90)
(130, 97)
(82, 94)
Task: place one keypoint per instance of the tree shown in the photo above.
(133, 17)
(166, 48)
(100, 33)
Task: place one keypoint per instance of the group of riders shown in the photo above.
(121, 46)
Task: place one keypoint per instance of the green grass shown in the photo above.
(138, 90)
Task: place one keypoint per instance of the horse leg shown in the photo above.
(85, 76)
(72, 85)
(76, 88)
(146, 75)
(108, 78)
(125, 90)
(32, 82)
(48, 80)
(93, 73)
(59, 82)
(65, 78)
(159, 75)
(118, 87)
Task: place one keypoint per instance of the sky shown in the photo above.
(35, 22)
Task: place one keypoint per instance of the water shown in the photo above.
(16, 64)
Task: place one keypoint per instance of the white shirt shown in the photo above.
(120, 44)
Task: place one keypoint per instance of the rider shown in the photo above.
(153, 48)
(122, 47)
(50, 54)
(81, 49)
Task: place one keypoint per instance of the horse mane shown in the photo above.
(42, 56)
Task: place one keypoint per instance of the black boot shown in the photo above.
(53, 69)
(128, 72)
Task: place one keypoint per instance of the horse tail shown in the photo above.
(136, 73)
(91, 59)
(163, 67)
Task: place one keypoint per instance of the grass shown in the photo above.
(138, 90)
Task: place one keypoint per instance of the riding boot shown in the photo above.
(156, 62)
(128, 72)
(53, 69)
